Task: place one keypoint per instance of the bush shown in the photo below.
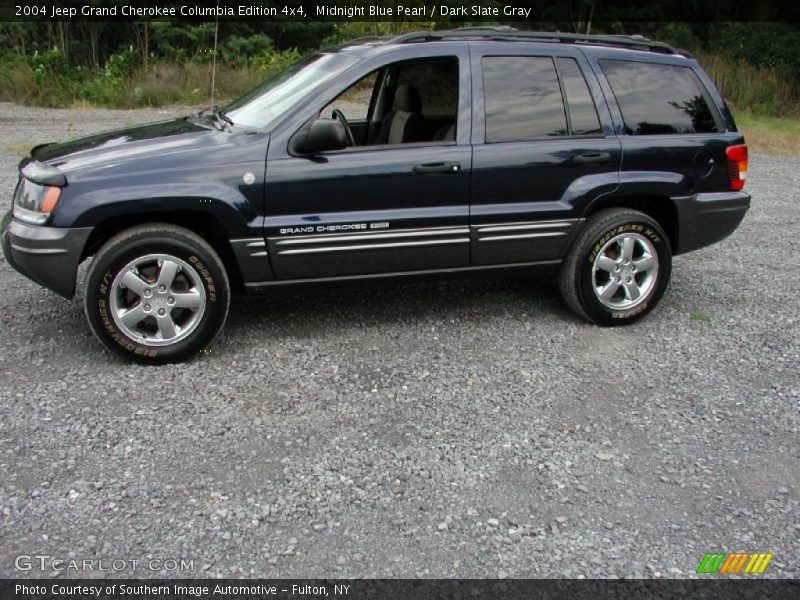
(763, 44)
(678, 35)
(270, 63)
(103, 90)
(123, 64)
(768, 91)
(237, 49)
(47, 79)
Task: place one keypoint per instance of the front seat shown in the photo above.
(405, 122)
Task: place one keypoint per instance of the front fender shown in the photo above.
(237, 212)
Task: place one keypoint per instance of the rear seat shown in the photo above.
(445, 133)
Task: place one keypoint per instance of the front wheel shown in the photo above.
(156, 293)
(618, 268)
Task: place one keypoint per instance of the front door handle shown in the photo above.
(446, 168)
(591, 158)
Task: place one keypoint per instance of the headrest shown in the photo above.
(406, 98)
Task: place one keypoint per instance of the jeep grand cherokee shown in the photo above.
(596, 158)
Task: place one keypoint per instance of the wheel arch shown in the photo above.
(660, 208)
(202, 223)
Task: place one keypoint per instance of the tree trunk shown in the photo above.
(146, 47)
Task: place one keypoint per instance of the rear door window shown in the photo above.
(522, 99)
(660, 99)
(582, 113)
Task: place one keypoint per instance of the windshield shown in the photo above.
(264, 105)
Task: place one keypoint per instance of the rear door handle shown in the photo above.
(446, 168)
(592, 158)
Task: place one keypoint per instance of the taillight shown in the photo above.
(737, 165)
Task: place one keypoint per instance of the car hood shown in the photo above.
(122, 145)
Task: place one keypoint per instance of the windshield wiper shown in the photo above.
(218, 113)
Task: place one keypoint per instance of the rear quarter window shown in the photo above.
(660, 99)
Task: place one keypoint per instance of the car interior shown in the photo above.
(410, 102)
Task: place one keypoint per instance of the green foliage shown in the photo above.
(350, 30)
(678, 35)
(237, 50)
(767, 91)
(123, 64)
(141, 63)
(772, 45)
(182, 41)
(17, 80)
(48, 79)
(267, 64)
(44, 78)
(102, 90)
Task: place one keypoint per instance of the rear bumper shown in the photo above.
(47, 255)
(705, 219)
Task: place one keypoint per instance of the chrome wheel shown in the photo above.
(157, 299)
(625, 271)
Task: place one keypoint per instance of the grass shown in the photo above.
(770, 135)
(190, 84)
(699, 316)
(21, 149)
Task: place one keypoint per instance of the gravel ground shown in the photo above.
(468, 429)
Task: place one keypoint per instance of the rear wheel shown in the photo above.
(618, 268)
(156, 293)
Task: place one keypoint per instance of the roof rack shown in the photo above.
(367, 39)
(512, 34)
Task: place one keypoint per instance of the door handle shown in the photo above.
(592, 158)
(446, 168)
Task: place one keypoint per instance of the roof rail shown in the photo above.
(366, 39)
(512, 34)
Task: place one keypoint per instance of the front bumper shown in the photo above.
(47, 255)
(705, 219)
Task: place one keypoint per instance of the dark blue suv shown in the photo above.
(470, 151)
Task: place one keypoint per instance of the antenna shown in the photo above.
(214, 63)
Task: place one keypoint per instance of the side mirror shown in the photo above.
(323, 135)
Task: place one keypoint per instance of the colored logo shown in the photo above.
(734, 563)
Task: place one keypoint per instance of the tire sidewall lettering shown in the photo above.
(208, 279)
(640, 228)
(627, 314)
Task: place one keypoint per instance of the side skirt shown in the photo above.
(515, 269)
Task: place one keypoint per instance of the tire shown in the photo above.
(596, 281)
(156, 293)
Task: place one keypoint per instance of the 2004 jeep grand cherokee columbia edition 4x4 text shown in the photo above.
(464, 151)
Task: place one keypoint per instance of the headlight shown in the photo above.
(33, 203)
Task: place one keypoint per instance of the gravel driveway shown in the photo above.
(466, 429)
